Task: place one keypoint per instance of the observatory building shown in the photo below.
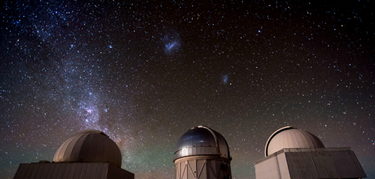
(292, 153)
(88, 154)
(202, 153)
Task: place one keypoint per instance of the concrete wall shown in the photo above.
(272, 168)
(71, 170)
(310, 163)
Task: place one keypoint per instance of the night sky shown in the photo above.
(144, 72)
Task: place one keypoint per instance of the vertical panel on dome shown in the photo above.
(60, 153)
(85, 148)
(95, 140)
(223, 146)
(75, 146)
(99, 149)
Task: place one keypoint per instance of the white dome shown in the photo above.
(289, 137)
(89, 146)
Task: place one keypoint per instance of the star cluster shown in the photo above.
(144, 72)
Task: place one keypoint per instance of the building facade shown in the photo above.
(292, 153)
(85, 155)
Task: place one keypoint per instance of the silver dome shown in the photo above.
(289, 137)
(202, 140)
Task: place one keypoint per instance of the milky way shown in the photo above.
(144, 72)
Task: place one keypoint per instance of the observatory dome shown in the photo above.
(89, 146)
(202, 140)
(289, 137)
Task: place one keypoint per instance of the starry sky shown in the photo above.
(144, 72)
